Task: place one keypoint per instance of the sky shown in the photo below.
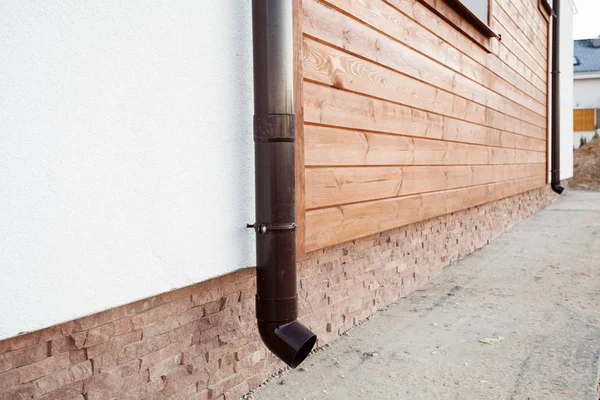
(586, 21)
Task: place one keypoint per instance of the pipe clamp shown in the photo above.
(261, 229)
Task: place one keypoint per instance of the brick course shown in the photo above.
(201, 342)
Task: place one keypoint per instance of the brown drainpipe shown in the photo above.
(555, 149)
(274, 137)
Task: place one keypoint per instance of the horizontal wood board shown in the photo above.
(407, 117)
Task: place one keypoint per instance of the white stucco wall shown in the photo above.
(126, 161)
(577, 137)
(566, 90)
(586, 92)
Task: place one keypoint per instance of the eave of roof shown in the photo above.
(587, 55)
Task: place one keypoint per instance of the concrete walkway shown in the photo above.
(536, 288)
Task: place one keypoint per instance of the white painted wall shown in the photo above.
(586, 92)
(566, 90)
(577, 137)
(126, 161)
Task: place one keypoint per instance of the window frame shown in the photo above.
(545, 9)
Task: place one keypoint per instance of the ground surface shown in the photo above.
(586, 166)
(537, 286)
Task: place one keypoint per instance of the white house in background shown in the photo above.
(586, 88)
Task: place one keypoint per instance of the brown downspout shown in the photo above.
(274, 137)
(555, 149)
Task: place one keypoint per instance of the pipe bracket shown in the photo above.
(261, 229)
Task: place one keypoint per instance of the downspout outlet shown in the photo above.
(558, 188)
(291, 342)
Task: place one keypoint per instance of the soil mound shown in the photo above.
(586, 166)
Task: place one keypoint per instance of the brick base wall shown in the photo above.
(201, 342)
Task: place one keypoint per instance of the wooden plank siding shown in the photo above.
(343, 223)
(299, 145)
(327, 146)
(407, 117)
(337, 186)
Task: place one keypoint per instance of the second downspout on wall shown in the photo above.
(555, 148)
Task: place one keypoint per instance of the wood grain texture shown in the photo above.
(427, 86)
(329, 106)
(407, 118)
(520, 30)
(469, 80)
(328, 226)
(511, 75)
(528, 18)
(522, 39)
(299, 146)
(454, 17)
(327, 146)
(511, 49)
(326, 187)
(393, 24)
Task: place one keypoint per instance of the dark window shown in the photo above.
(479, 8)
(477, 12)
(547, 5)
(465, 15)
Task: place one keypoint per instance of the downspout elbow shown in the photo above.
(557, 188)
(290, 341)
